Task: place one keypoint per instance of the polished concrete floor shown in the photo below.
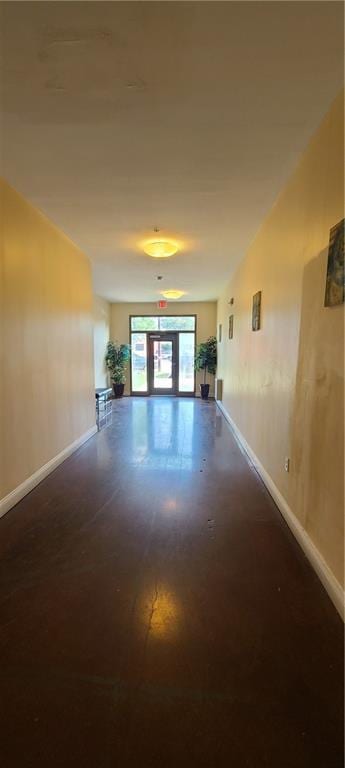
(156, 610)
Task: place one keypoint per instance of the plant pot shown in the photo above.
(204, 390)
(118, 390)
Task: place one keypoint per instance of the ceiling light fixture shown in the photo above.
(172, 294)
(160, 248)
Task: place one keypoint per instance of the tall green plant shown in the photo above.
(116, 358)
(206, 356)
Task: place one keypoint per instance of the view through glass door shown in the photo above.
(162, 363)
(162, 354)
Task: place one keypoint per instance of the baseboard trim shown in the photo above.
(18, 493)
(330, 583)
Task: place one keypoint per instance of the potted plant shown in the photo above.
(116, 358)
(206, 360)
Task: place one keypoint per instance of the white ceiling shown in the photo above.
(189, 116)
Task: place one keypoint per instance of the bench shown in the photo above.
(102, 395)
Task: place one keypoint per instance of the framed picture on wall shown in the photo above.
(335, 266)
(256, 312)
(231, 326)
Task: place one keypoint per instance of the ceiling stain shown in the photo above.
(137, 84)
(54, 85)
(53, 38)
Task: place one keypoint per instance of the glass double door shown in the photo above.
(162, 363)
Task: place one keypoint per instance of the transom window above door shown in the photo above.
(163, 323)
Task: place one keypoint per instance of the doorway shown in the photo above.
(162, 363)
(162, 354)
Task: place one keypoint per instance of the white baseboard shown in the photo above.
(18, 493)
(332, 586)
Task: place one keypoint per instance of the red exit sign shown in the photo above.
(162, 304)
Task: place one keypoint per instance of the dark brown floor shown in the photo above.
(156, 610)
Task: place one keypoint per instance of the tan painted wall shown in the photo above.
(283, 385)
(47, 398)
(101, 335)
(206, 312)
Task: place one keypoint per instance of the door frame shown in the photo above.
(146, 393)
(153, 336)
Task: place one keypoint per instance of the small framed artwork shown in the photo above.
(256, 312)
(231, 326)
(220, 332)
(335, 266)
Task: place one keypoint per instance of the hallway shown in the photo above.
(156, 610)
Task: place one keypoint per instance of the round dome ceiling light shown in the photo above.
(160, 249)
(172, 294)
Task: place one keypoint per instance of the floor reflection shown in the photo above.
(163, 433)
(162, 613)
(169, 505)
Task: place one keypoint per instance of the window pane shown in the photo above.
(144, 323)
(186, 362)
(177, 323)
(162, 365)
(139, 362)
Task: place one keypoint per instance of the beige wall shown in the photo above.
(283, 385)
(47, 398)
(206, 322)
(101, 335)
